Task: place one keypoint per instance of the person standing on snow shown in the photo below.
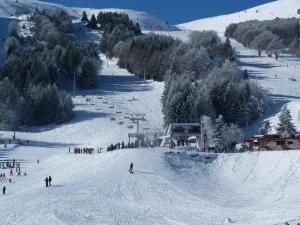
(3, 190)
(46, 180)
(131, 168)
(50, 179)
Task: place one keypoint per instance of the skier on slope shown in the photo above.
(131, 168)
(46, 180)
(50, 179)
(3, 190)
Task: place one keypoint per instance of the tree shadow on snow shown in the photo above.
(45, 144)
(113, 84)
(247, 56)
(257, 65)
(80, 115)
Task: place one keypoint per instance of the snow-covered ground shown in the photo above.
(269, 11)
(184, 188)
(274, 76)
(267, 72)
(166, 188)
(104, 120)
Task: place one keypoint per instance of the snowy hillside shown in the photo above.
(274, 76)
(147, 21)
(182, 187)
(104, 120)
(269, 11)
(166, 189)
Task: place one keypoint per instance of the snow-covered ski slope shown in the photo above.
(260, 188)
(269, 11)
(146, 20)
(104, 120)
(274, 76)
(165, 189)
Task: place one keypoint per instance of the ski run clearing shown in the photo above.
(178, 188)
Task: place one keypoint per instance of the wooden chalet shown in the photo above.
(273, 143)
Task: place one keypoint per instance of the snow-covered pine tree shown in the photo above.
(93, 22)
(218, 134)
(266, 128)
(84, 18)
(203, 101)
(207, 129)
(87, 73)
(231, 136)
(286, 127)
(10, 106)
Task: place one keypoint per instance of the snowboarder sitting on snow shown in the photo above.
(131, 168)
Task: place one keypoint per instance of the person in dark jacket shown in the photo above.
(46, 180)
(131, 168)
(50, 179)
(3, 190)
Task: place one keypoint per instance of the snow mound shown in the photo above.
(269, 11)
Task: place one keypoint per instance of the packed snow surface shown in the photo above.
(166, 188)
(269, 11)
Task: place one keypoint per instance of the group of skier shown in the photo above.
(2, 176)
(9, 164)
(179, 142)
(122, 145)
(83, 150)
(48, 181)
(116, 146)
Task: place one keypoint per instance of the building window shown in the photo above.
(280, 142)
(290, 142)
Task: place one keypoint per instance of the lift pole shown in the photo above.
(137, 118)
